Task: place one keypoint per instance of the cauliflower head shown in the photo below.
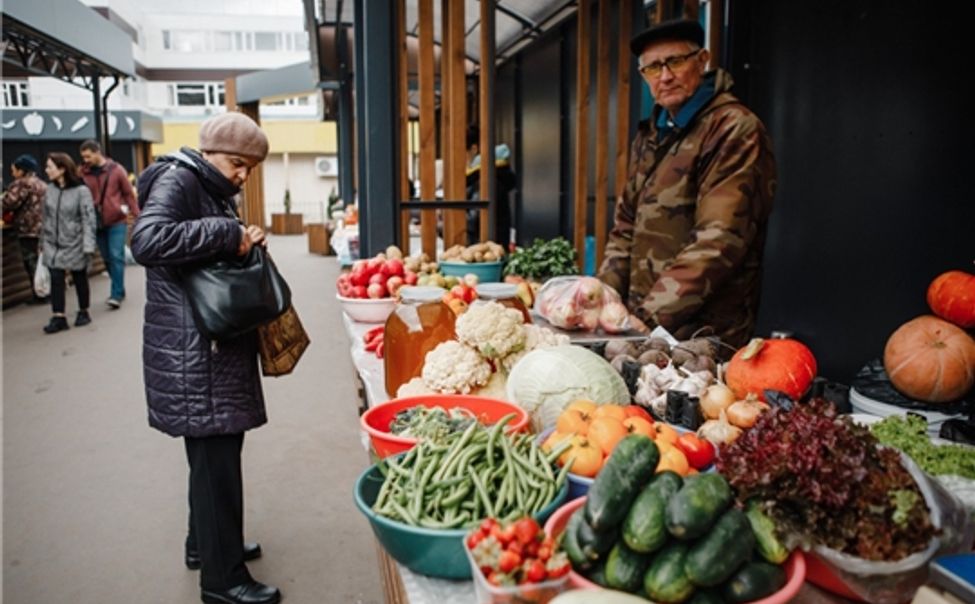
(492, 328)
(453, 367)
(535, 337)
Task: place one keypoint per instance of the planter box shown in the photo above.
(287, 224)
(318, 240)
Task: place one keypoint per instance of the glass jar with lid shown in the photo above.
(419, 323)
(506, 294)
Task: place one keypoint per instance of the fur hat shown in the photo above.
(233, 132)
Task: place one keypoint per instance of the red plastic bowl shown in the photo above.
(795, 566)
(377, 419)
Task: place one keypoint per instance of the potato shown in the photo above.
(478, 256)
(394, 252)
(467, 256)
(490, 257)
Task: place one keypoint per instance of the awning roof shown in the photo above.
(64, 39)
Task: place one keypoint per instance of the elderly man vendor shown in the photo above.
(685, 250)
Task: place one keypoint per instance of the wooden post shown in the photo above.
(602, 129)
(692, 9)
(404, 123)
(581, 181)
(253, 208)
(623, 98)
(446, 173)
(455, 221)
(716, 19)
(428, 145)
(488, 188)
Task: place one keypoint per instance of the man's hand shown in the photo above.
(251, 236)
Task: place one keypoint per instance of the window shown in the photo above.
(167, 40)
(15, 94)
(185, 41)
(197, 94)
(265, 40)
(223, 41)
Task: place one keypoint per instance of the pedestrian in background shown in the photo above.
(114, 199)
(68, 237)
(25, 198)
(208, 393)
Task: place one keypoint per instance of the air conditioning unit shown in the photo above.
(326, 166)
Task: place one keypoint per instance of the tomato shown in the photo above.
(699, 451)
(474, 538)
(508, 561)
(638, 411)
(487, 524)
(535, 572)
(526, 530)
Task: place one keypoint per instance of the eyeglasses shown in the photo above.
(674, 64)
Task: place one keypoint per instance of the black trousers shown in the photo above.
(58, 286)
(216, 527)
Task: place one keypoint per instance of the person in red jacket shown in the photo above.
(114, 199)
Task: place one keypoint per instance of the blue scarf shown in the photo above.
(701, 97)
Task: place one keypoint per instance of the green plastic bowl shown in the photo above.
(431, 552)
(487, 272)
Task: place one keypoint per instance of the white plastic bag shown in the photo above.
(42, 278)
(881, 582)
(582, 303)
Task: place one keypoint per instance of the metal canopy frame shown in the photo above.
(38, 53)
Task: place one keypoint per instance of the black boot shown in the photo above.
(83, 318)
(251, 592)
(252, 551)
(56, 324)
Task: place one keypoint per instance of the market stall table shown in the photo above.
(400, 584)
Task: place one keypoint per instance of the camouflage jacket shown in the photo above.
(25, 198)
(686, 247)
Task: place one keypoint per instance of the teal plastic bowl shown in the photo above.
(435, 553)
(487, 272)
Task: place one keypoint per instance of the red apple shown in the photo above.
(376, 290)
(410, 278)
(393, 284)
(377, 278)
(359, 291)
(393, 267)
(375, 265)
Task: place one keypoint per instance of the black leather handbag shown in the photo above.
(232, 297)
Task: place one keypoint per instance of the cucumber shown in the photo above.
(625, 568)
(755, 580)
(692, 511)
(570, 542)
(597, 574)
(666, 580)
(768, 544)
(645, 529)
(595, 543)
(627, 470)
(707, 596)
(667, 483)
(721, 552)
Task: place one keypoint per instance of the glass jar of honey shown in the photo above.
(506, 294)
(416, 326)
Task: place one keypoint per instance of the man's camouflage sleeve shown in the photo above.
(735, 174)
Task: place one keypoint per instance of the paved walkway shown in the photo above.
(94, 501)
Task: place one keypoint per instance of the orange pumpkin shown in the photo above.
(779, 364)
(930, 359)
(952, 297)
(606, 432)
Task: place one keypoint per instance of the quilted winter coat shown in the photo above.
(194, 387)
(68, 228)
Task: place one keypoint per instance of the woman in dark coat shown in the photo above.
(209, 393)
(67, 238)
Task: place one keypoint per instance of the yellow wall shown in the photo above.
(285, 136)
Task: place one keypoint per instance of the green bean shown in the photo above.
(495, 431)
(530, 468)
(482, 493)
(420, 487)
(563, 473)
(455, 449)
(448, 482)
(557, 451)
(396, 468)
(404, 514)
(451, 501)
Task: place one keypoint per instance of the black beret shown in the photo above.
(668, 30)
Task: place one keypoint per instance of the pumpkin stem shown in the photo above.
(753, 348)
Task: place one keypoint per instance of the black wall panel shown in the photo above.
(872, 134)
(541, 140)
